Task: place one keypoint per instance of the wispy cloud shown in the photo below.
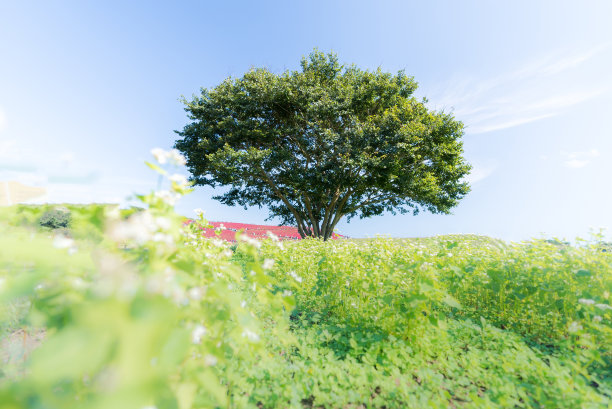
(578, 160)
(480, 172)
(537, 90)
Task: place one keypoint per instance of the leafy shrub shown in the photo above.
(55, 218)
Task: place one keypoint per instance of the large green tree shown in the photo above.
(323, 142)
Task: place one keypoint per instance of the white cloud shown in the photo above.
(576, 160)
(479, 173)
(576, 163)
(537, 90)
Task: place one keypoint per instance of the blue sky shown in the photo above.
(88, 88)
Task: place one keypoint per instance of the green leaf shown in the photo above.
(156, 168)
(583, 273)
(451, 302)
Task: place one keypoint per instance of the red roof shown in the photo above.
(255, 231)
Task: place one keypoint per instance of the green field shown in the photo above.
(131, 309)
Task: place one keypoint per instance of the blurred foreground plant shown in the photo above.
(142, 317)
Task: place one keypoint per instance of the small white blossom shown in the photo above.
(287, 293)
(113, 213)
(195, 293)
(271, 235)
(295, 276)
(250, 335)
(167, 197)
(243, 304)
(603, 306)
(198, 332)
(163, 238)
(268, 264)
(199, 212)
(79, 284)
(597, 318)
(586, 301)
(210, 360)
(161, 156)
(574, 327)
(163, 223)
(179, 179)
(251, 241)
(62, 242)
(176, 157)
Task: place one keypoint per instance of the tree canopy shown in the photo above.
(323, 142)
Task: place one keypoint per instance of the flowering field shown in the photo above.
(109, 308)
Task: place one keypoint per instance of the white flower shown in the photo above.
(113, 213)
(243, 304)
(167, 197)
(250, 335)
(295, 276)
(62, 242)
(210, 360)
(195, 293)
(597, 318)
(574, 327)
(163, 238)
(287, 293)
(163, 223)
(79, 284)
(268, 264)
(603, 306)
(271, 235)
(586, 301)
(161, 155)
(176, 157)
(199, 212)
(198, 332)
(179, 179)
(248, 240)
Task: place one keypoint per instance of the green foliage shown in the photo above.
(137, 310)
(374, 284)
(143, 317)
(543, 312)
(324, 142)
(55, 218)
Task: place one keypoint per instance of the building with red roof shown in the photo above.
(228, 231)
